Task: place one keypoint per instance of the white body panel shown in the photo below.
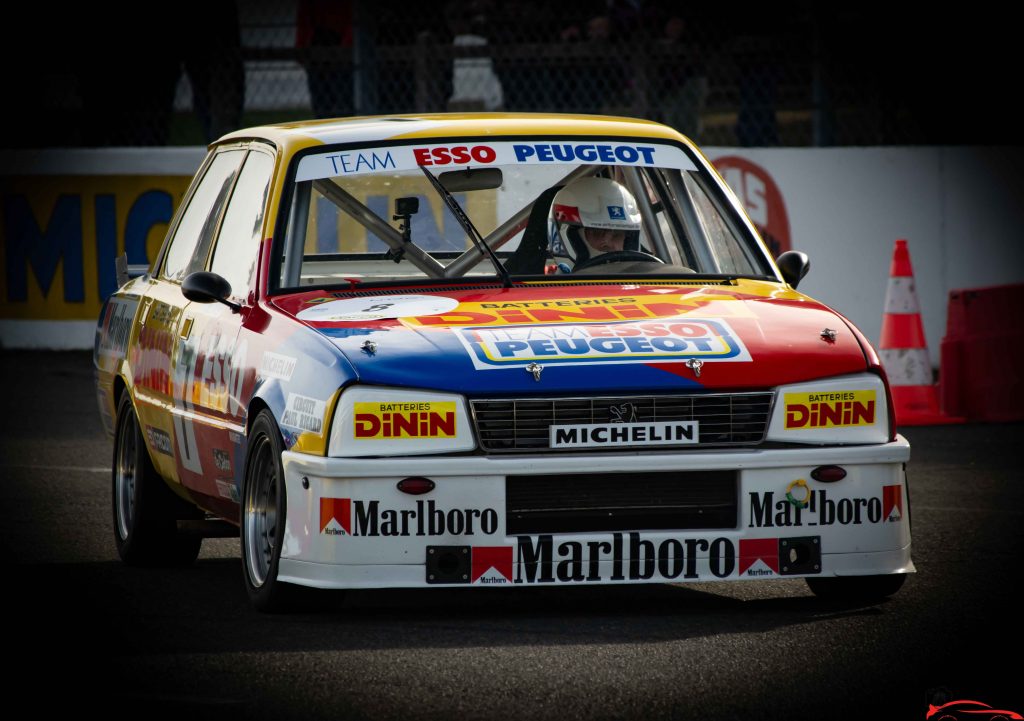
(351, 527)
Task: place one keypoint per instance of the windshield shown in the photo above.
(562, 207)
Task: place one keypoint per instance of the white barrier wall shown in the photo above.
(959, 208)
(64, 216)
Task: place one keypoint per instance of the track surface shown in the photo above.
(84, 632)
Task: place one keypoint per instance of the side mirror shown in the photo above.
(794, 266)
(205, 287)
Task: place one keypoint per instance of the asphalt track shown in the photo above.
(85, 633)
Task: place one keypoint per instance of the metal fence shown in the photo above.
(719, 75)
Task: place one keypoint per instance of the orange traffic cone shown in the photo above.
(903, 349)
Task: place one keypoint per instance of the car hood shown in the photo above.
(591, 338)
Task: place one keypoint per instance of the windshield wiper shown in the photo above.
(467, 225)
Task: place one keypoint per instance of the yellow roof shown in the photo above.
(291, 137)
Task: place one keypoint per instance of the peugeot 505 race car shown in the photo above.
(491, 350)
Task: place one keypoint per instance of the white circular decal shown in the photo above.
(379, 307)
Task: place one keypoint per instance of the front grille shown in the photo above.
(601, 502)
(521, 425)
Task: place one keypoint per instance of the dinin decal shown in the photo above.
(833, 409)
(425, 419)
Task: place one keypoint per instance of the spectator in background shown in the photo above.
(324, 29)
(527, 78)
(475, 85)
(213, 63)
(595, 81)
(758, 50)
(682, 80)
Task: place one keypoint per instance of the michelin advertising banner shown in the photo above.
(66, 214)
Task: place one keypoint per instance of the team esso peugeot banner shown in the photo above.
(449, 156)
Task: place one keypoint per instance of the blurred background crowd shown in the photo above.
(769, 74)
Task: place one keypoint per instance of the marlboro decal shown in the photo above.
(336, 516)
(892, 502)
(492, 564)
(764, 552)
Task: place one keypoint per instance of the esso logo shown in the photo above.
(457, 155)
(761, 199)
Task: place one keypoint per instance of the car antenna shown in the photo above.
(467, 225)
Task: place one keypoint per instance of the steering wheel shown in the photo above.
(618, 256)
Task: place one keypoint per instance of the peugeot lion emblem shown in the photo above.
(625, 413)
(535, 368)
(695, 365)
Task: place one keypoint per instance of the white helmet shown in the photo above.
(594, 203)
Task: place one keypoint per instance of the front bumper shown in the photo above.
(348, 526)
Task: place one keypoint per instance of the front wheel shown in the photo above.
(862, 589)
(264, 505)
(145, 510)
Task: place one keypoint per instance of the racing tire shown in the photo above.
(263, 513)
(861, 589)
(145, 510)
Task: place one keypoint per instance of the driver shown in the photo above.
(595, 216)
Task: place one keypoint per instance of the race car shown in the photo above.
(491, 350)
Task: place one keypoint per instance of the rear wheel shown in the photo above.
(264, 506)
(145, 510)
(856, 588)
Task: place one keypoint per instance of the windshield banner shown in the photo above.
(456, 155)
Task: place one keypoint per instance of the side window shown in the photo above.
(730, 253)
(191, 241)
(238, 244)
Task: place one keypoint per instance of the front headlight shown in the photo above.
(379, 421)
(848, 409)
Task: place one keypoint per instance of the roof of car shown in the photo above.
(290, 137)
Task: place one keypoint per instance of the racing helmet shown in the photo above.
(597, 203)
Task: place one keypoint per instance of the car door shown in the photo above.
(214, 356)
(163, 362)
